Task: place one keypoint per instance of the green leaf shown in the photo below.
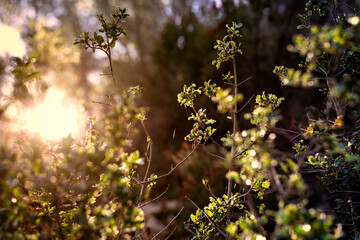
(208, 212)
(218, 65)
(233, 175)
(112, 44)
(231, 229)
(266, 184)
(193, 218)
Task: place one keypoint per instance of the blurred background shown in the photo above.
(169, 44)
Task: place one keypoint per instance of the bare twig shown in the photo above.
(154, 199)
(217, 144)
(207, 187)
(342, 2)
(246, 79)
(277, 182)
(211, 154)
(172, 220)
(172, 232)
(172, 168)
(284, 129)
(248, 191)
(188, 229)
(237, 85)
(245, 104)
(102, 103)
(333, 12)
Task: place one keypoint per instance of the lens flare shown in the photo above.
(54, 117)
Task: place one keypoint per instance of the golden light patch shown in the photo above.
(54, 117)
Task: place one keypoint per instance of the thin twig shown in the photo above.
(330, 87)
(245, 104)
(217, 144)
(246, 79)
(342, 2)
(333, 13)
(248, 191)
(102, 103)
(211, 154)
(172, 232)
(244, 150)
(154, 199)
(148, 156)
(295, 137)
(210, 191)
(188, 229)
(172, 220)
(284, 129)
(277, 182)
(172, 168)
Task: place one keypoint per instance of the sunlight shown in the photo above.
(53, 118)
(11, 42)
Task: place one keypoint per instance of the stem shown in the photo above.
(111, 67)
(148, 157)
(234, 113)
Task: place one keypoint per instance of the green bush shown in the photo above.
(91, 190)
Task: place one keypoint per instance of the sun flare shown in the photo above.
(11, 42)
(54, 117)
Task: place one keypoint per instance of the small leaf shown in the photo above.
(193, 218)
(266, 184)
(218, 65)
(209, 213)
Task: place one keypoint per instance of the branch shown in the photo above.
(245, 104)
(173, 168)
(246, 79)
(333, 13)
(237, 85)
(102, 103)
(217, 144)
(286, 130)
(277, 182)
(207, 187)
(172, 220)
(248, 191)
(154, 199)
(108, 54)
(233, 148)
(211, 154)
(342, 2)
(148, 156)
(172, 232)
